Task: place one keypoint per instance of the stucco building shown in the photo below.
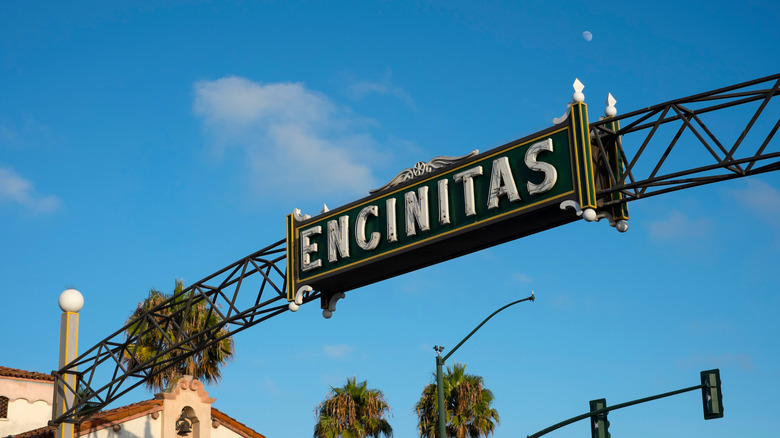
(184, 412)
(25, 400)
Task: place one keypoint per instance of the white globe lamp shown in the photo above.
(71, 300)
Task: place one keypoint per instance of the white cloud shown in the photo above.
(522, 278)
(563, 301)
(337, 351)
(383, 87)
(23, 133)
(296, 141)
(333, 380)
(238, 101)
(308, 355)
(677, 226)
(761, 199)
(271, 387)
(741, 361)
(17, 189)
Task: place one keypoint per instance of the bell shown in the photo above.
(183, 424)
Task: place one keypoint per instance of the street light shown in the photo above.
(440, 363)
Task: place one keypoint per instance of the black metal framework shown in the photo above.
(263, 272)
(724, 161)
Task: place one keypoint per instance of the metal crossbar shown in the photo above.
(641, 178)
(260, 275)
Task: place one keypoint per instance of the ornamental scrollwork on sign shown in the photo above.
(422, 168)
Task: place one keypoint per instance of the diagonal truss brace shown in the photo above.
(728, 161)
(260, 275)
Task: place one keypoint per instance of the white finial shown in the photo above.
(296, 303)
(327, 313)
(298, 216)
(590, 215)
(325, 209)
(578, 87)
(610, 111)
(71, 300)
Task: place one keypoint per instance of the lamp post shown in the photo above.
(440, 363)
(70, 301)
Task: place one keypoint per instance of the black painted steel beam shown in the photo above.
(237, 297)
(645, 174)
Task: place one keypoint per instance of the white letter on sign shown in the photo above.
(444, 202)
(308, 248)
(360, 228)
(392, 235)
(501, 172)
(467, 176)
(338, 238)
(550, 174)
(417, 210)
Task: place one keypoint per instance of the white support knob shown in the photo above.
(295, 304)
(610, 110)
(327, 313)
(578, 96)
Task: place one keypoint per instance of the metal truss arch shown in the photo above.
(237, 297)
(643, 175)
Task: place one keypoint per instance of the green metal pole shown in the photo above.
(611, 408)
(440, 395)
(440, 362)
(531, 298)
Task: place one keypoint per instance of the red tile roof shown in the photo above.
(42, 432)
(119, 415)
(116, 415)
(22, 374)
(235, 425)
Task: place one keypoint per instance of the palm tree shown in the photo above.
(203, 364)
(353, 411)
(467, 406)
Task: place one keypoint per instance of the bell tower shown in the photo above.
(186, 410)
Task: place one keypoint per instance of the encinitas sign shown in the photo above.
(444, 209)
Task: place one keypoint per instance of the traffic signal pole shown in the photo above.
(706, 385)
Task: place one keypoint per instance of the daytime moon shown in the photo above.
(587, 35)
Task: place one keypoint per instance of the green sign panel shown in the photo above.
(444, 209)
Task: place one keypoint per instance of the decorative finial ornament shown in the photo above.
(298, 216)
(421, 169)
(578, 97)
(590, 215)
(327, 313)
(297, 301)
(610, 110)
(71, 300)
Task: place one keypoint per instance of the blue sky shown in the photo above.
(143, 143)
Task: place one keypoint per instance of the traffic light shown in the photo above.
(599, 425)
(711, 395)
